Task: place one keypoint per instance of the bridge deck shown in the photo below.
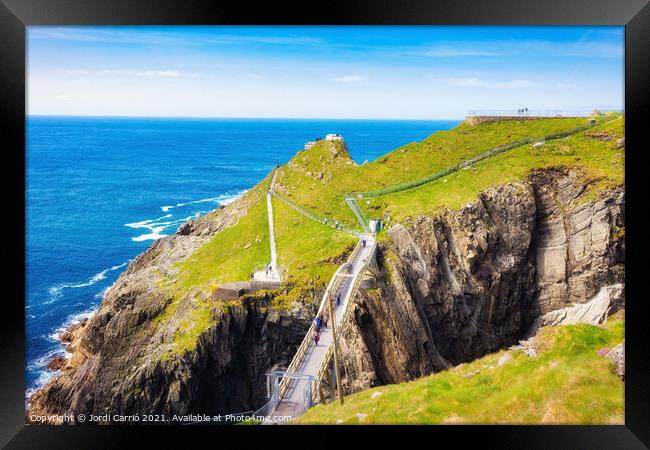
(293, 400)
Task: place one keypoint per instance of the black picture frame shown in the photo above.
(15, 15)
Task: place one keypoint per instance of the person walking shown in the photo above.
(316, 338)
(319, 323)
(363, 243)
(338, 299)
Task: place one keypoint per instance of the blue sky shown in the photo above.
(321, 72)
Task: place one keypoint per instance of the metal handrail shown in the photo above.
(305, 212)
(358, 278)
(332, 287)
(304, 346)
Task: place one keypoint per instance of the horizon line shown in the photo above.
(239, 117)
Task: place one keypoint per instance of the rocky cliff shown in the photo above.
(118, 360)
(468, 282)
(454, 287)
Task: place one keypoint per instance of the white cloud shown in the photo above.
(583, 48)
(350, 78)
(445, 51)
(84, 34)
(478, 82)
(63, 98)
(565, 85)
(255, 76)
(129, 73)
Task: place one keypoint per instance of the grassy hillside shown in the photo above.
(307, 250)
(567, 382)
(600, 160)
(319, 178)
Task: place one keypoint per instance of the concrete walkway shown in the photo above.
(271, 272)
(292, 404)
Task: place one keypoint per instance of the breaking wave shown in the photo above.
(57, 291)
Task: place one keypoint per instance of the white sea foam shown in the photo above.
(149, 236)
(57, 291)
(157, 226)
(44, 374)
(100, 295)
(72, 319)
(222, 199)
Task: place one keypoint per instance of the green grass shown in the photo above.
(340, 175)
(232, 254)
(567, 383)
(319, 178)
(600, 161)
(307, 250)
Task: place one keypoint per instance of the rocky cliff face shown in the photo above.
(118, 362)
(466, 283)
(455, 286)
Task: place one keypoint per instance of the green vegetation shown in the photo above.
(319, 178)
(234, 253)
(567, 382)
(308, 250)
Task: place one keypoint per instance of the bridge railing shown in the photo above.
(357, 211)
(356, 284)
(332, 287)
(296, 361)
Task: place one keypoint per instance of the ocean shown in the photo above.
(100, 190)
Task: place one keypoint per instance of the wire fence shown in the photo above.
(311, 215)
(485, 155)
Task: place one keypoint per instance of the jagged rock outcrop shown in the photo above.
(617, 355)
(596, 311)
(466, 283)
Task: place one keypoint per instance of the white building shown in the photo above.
(309, 145)
(334, 137)
(375, 225)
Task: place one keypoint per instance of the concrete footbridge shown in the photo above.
(310, 378)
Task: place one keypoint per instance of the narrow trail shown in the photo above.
(271, 271)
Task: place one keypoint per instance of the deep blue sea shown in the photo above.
(100, 190)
